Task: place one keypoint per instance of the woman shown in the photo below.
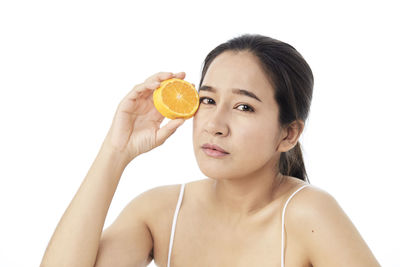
(256, 209)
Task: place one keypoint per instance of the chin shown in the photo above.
(219, 172)
(219, 168)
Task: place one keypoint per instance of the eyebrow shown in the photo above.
(234, 90)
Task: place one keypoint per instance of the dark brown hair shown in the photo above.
(292, 80)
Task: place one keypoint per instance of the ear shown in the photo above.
(290, 135)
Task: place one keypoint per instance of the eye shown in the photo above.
(246, 108)
(202, 98)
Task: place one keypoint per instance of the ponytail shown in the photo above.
(291, 163)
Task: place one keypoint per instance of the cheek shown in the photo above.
(195, 125)
(253, 149)
(255, 140)
(199, 121)
(196, 130)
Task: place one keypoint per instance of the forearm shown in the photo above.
(76, 239)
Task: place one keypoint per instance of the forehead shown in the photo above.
(239, 70)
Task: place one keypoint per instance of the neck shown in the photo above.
(242, 197)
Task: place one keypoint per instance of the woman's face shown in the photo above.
(245, 127)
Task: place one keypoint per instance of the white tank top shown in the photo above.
(178, 206)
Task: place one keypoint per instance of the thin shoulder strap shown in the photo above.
(171, 239)
(283, 221)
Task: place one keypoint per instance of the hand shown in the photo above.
(136, 125)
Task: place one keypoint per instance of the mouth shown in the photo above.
(214, 150)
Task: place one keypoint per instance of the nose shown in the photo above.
(217, 124)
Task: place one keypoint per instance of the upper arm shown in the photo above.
(128, 240)
(327, 233)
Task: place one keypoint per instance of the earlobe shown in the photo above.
(286, 145)
(291, 135)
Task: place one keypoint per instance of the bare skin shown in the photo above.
(205, 237)
(232, 219)
(135, 130)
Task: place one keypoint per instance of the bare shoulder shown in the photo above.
(129, 239)
(159, 199)
(311, 206)
(315, 218)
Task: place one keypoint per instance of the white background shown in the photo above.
(65, 66)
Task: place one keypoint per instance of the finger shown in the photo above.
(151, 84)
(180, 75)
(156, 115)
(167, 130)
(160, 76)
(139, 89)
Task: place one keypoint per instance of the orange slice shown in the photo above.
(176, 98)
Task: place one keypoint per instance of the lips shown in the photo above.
(214, 147)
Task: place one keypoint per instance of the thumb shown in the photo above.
(167, 130)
